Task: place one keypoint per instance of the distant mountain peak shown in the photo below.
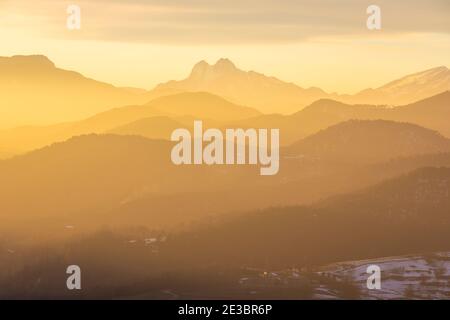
(443, 68)
(35, 91)
(224, 64)
(200, 67)
(29, 61)
(269, 94)
(435, 76)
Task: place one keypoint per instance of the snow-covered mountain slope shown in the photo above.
(405, 277)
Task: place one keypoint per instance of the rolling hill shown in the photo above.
(35, 91)
(112, 167)
(355, 182)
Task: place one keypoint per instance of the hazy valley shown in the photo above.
(91, 181)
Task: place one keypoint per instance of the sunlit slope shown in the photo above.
(184, 107)
(407, 89)
(300, 182)
(79, 173)
(194, 105)
(123, 180)
(271, 95)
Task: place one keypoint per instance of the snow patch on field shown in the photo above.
(406, 277)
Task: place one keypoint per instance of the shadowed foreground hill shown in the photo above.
(366, 141)
(153, 128)
(404, 215)
(97, 180)
(87, 169)
(202, 105)
(79, 178)
(407, 89)
(431, 113)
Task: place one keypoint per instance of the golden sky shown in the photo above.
(312, 43)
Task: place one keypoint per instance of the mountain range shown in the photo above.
(403, 215)
(36, 92)
(361, 177)
(183, 108)
(408, 89)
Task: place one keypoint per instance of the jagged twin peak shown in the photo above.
(271, 95)
(204, 71)
(35, 91)
(250, 88)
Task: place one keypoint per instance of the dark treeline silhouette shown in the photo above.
(401, 216)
